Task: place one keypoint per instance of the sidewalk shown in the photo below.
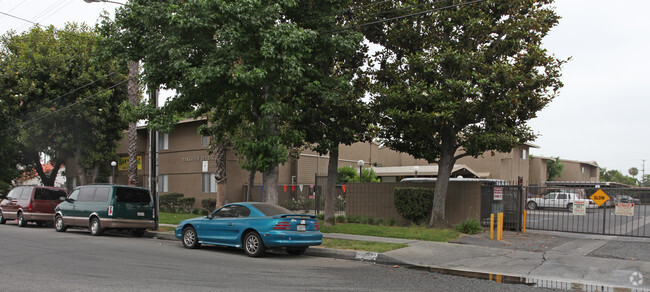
(546, 259)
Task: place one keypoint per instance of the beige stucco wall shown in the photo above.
(183, 162)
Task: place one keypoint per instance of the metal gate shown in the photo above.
(625, 213)
(502, 199)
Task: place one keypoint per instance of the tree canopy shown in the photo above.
(63, 100)
(554, 168)
(461, 80)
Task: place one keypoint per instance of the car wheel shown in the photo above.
(253, 245)
(296, 250)
(95, 227)
(532, 205)
(138, 232)
(58, 224)
(2, 218)
(21, 220)
(190, 239)
(570, 207)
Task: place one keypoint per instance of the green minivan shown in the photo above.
(102, 207)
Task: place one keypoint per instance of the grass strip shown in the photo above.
(410, 232)
(361, 245)
(174, 218)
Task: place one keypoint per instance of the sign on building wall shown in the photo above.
(498, 193)
(123, 163)
(205, 166)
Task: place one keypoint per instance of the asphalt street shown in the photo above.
(40, 259)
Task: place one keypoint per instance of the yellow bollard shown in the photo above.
(491, 226)
(523, 230)
(500, 226)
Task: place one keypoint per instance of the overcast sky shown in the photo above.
(598, 116)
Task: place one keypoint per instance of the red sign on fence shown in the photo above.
(498, 193)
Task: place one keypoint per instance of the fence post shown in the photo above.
(523, 229)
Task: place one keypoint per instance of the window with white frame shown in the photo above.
(205, 140)
(163, 183)
(523, 154)
(208, 183)
(163, 141)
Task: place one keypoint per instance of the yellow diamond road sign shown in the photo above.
(599, 198)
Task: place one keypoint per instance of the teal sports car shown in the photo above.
(255, 227)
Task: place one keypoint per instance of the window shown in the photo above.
(163, 141)
(208, 183)
(561, 196)
(205, 141)
(26, 194)
(86, 194)
(163, 183)
(48, 194)
(131, 195)
(74, 195)
(271, 210)
(583, 169)
(101, 195)
(523, 154)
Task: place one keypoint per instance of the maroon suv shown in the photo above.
(31, 204)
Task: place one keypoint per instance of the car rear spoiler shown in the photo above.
(295, 215)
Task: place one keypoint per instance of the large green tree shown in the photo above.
(241, 63)
(614, 175)
(330, 109)
(66, 99)
(461, 79)
(554, 168)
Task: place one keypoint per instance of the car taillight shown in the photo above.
(29, 207)
(316, 226)
(283, 225)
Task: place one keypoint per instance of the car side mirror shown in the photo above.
(210, 216)
(62, 198)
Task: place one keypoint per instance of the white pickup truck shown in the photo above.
(558, 200)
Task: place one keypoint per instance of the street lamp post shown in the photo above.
(416, 169)
(360, 163)
(113, 164)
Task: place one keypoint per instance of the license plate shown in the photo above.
(302, 228)
(141, 214)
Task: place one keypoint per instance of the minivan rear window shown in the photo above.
(48, 194)
(129, 195)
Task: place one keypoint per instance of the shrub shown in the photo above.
(470, 226)
(209, 204)
(170, 202)
(321, 216)
(379, 221)
(185, 204)
(392, 222)
(414, 204)
(340, 219)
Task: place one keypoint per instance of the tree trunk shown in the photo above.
(81, 170)
(132, 90)
(251, 184)
(220, 173)
(270, 183)
(330, 195)
(445, 166)
(96, 173)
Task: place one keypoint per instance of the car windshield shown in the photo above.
(129, 195)
(271, 210)
(48, 194)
